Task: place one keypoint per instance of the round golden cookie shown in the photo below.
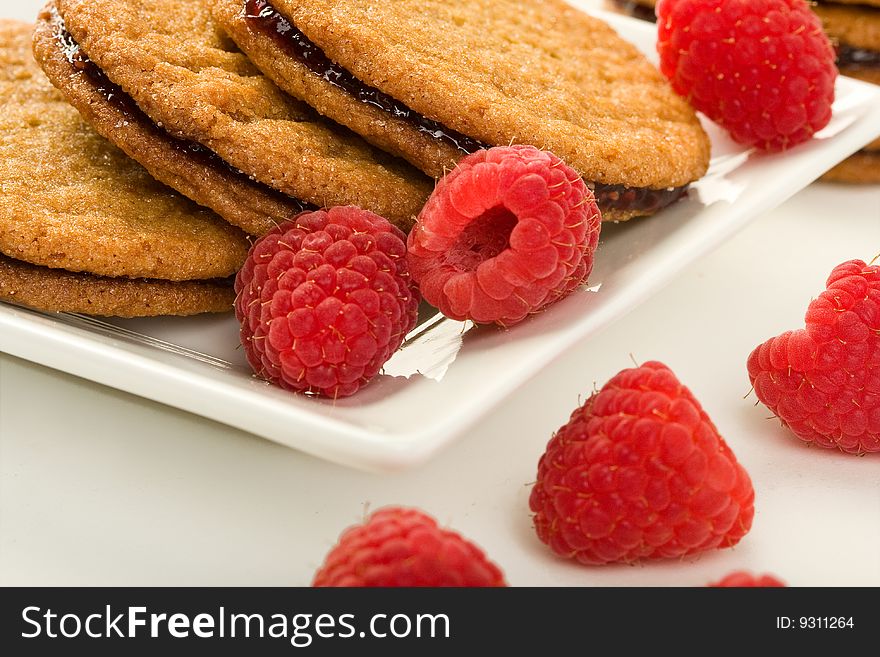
(861, 168)
(56, 290)
(853, 25)
(504, 71)
(201, 176)
(169, 56)
(71, 200)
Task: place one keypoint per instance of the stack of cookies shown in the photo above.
(855, 27)
(251, 111)
(85, 229)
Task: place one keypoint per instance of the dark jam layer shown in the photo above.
(114, 94)
(263, 17)
(635, 199)
(636, 10)
(850, 57)
(98, 79)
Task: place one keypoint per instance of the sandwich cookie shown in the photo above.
(433, 80)
(855, 29)
(71, 201)
(191, 81)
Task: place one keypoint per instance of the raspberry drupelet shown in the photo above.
(324, 300)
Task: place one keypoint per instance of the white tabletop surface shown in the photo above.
(101, 488)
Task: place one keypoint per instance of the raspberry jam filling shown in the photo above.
(266, 18)
(114, 95)
(851, 57)
(636, 10)
(634, 199)
(263, 17)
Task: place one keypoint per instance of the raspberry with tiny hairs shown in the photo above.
(405, 547)
(640, 472)
(823, 381)
(509, 231)
(324, 300)
(763, 69)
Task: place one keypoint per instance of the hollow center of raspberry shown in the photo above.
(483, 239)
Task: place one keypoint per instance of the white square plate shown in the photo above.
(448, 374)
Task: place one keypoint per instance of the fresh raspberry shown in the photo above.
(324, 300)
(743, 579)
(640, 472)
(405, 547)
(823, 382)
(763, 69)
(508, 232)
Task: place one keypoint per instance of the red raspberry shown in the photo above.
(763, 69)
(324, 300)
(824, 382)
(405, 547)
(508, 232)
(743, 579)
(640, 472)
